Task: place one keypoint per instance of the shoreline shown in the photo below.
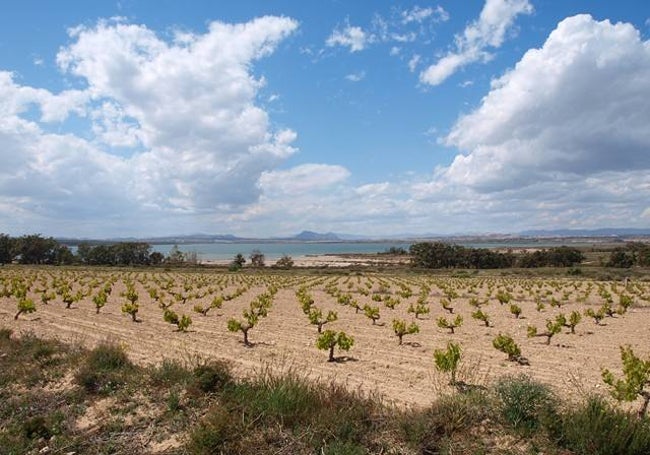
(326, 260)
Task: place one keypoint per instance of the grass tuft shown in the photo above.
(594, 428)
(105, 369)
(524, 403)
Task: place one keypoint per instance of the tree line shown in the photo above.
(35, 249)
(634, 253)
(440, 255)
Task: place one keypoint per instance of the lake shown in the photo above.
(274, 250)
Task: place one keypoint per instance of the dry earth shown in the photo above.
(285, 340)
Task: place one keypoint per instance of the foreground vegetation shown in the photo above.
(59, 398)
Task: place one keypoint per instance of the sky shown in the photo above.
(265, 118)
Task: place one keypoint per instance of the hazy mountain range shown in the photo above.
(310, 236)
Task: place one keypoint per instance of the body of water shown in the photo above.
(273, 251)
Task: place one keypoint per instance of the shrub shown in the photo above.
(330, 339)
(211, 376)
(100, 300)
(400, 328)
(446, 305)
(503, 297)
(507, 345)
(217, 302)
(482, 316)
(594, 428)
(182, 323)
(257, 309)
(451, 416)
(525, 404)
(597, 315)
(316, 318)
(372, 313)
(515, 310)
(636, 376)
(552, 329)
(132, 309)
(443, 323)
(447, 361)
(418, 309)
(574, 319)
(26, 306)
(104, 369)
(169, 373)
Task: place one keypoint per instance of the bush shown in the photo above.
(169, 373)
(525, 404)
(595, 429)
(447, 360)
(105, 369)
(211, 377)
(454, 416)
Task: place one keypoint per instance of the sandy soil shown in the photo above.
(333, 260)
(285, 340)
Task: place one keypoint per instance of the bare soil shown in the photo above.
(405, 374)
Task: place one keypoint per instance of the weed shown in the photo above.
(525, 404)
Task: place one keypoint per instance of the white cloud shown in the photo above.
(577, 106)
(489, 31)
(401, 27)
(302, 179)
(413, 62)
(349, 36)
(356, 77)
(184, 111)
(419, 14)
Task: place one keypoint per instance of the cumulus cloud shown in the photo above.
(488, 31)
(182, 114)
(577, 106)
(559, 141)
(349, 36)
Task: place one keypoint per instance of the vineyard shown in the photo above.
(368, 331)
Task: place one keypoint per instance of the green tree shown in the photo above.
(285, 262)
(237, 262)
(257, 258)
(6, 249)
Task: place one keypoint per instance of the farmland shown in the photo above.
(365, 304)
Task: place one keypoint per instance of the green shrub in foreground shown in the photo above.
(105, 369)
(594, 428)
(524, 403)
(211, 377)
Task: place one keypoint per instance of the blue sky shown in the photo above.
(264, 118)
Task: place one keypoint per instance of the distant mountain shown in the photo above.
(310, 236)
(603, 232)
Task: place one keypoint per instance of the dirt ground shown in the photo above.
(404, 375)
